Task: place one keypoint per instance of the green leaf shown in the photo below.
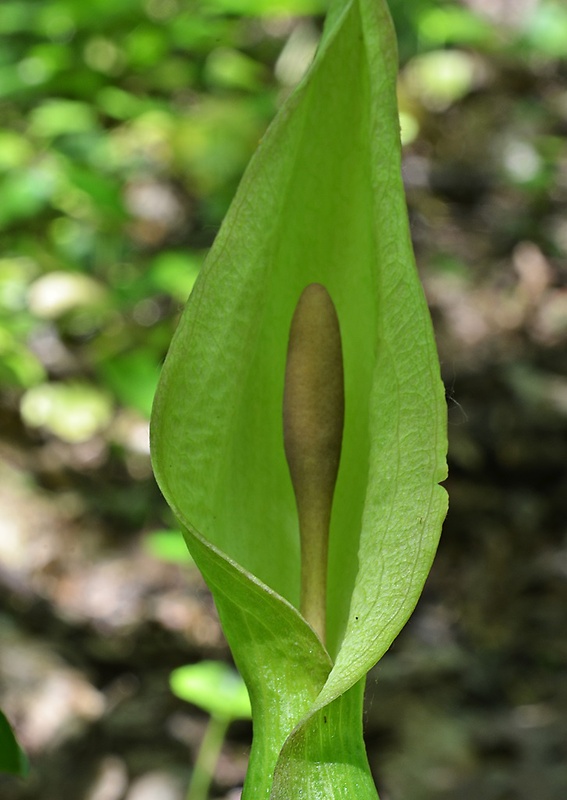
(18, 365)
(58, 117)
(15, 17)
(12, 759)
(175, 272)
(15, 150)
(133, 377)
(213, 686)
(322, 201)
(547, 32)
(443, 25)
(168, 546)
(25, 193)
(268, 7)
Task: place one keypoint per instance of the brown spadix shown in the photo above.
(313, 416)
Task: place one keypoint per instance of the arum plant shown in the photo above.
(315, 533)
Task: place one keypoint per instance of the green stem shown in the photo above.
(207, 758)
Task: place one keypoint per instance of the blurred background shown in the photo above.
(125, 126)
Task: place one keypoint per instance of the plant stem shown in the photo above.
(207, 758)
(313, 414)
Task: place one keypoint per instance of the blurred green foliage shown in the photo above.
(124, 129)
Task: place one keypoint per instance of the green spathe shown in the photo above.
(321, 202)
